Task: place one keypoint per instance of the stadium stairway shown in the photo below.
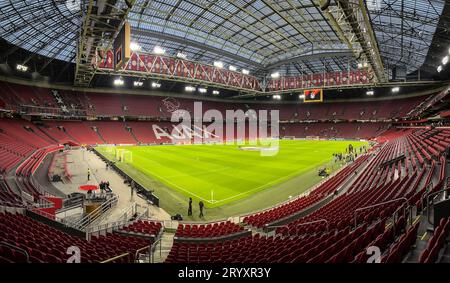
(130, 130)
(166, 245)
(96, 130)
(421, 242)
(70, 135)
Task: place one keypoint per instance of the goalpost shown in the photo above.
(123, 155)
(110, 149)
(127, 156)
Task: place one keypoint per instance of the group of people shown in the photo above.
(201, 205)
(104, 187)
(350, 154)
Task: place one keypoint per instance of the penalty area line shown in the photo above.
(183, 189)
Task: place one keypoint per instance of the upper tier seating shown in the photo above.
(14, 96)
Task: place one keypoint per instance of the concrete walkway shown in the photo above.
(78, 162)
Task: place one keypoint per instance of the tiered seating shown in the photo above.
(144, 133)
(27, 169)
(7, 197)
(402, 246)
(57, 134)
(207, 230)
(46, 244)
(114, 133)
(259, 249)
(16, 129)
(37, 99)
(80, 131)
(436, 242)
(376, 185)
(144, 227)
(297, 205)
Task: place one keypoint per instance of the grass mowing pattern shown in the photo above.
(231, 174)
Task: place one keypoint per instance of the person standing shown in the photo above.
(190, 207)
(132, 185)
(201, 205)
(89, 174)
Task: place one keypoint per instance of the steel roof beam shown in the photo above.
(351, 21)
(101, 25)
(195, 44)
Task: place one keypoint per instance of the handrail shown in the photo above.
(115, 258)
(52, 217)
(430, 194)
(306, 193)
(376, 205)
(95, 214)
(303, 224)
(152, 249)
(140, 250)
(5, 244)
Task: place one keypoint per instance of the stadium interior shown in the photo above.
(99, 163)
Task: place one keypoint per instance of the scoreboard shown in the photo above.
(122, 52)
(313, 95)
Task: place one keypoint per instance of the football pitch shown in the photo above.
(222, 174)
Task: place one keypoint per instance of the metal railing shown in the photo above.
(115, 258)
(430, 197)
(22, 251)
(153, 248)
(239, 218)
(110, 226)
(376, 205)
(84, 222)
(303, 224)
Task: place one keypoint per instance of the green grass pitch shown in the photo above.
(221, 174)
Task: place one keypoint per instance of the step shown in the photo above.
(162, 249)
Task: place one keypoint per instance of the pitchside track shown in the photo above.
(222, 174)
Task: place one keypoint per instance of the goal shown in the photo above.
(123, 155)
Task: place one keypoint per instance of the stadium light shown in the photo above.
(138, 83)
(202, 90)
(134, 46)
(395, 89)
(445, 60)
(159, 50)
(439, 69)
(215, 92)
(245, 72)
(370, 92)
(181, 55)
(275, 75)
(21, 68)
(189, 88)
(118, 82)
(156, 85)
(232, 68)
(218, 64)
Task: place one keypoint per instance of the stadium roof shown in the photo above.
(290, 36)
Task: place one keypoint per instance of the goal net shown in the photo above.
(312, 137)
(289, 137)
(123, 155)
